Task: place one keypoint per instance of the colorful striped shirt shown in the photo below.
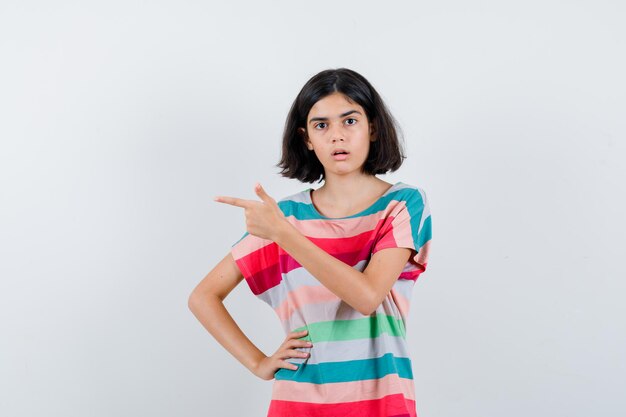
(359, 365)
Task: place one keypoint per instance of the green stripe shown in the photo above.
(365, 328)
(356, 370)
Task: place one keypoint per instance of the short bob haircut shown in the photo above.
(386, 152)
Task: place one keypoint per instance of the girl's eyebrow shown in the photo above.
(340, 116)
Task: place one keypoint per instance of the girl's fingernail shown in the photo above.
(309, 344)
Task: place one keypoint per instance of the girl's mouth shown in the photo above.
(340, 156)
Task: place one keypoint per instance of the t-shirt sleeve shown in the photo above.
(408, 226)
(258, 262)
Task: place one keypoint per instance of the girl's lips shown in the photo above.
(340, 157)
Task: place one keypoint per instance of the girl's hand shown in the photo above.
(268, 366)
(263, 218)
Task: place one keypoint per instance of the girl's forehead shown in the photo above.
(333, 103)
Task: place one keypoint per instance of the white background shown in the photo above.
(119, 121)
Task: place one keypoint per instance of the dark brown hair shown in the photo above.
(386, 152)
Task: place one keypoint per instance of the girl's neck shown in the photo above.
(345, 194)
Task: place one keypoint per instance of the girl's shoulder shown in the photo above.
(295, 204)
(299, 197)
(407, 195)
(407, 188)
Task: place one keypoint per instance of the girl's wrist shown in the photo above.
(256, 364)
(283, 231)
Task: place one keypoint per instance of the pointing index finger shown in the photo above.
(233, 201)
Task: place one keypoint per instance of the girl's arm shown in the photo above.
(363, 291)
(206, 303)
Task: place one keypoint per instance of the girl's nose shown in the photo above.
(336, 133)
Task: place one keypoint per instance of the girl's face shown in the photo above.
(335, 123)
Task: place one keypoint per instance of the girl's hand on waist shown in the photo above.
(263, 218)
(267, 367)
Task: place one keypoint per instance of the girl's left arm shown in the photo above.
(364, 291)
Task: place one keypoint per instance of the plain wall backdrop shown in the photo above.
(120, 120)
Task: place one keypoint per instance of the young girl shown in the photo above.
(337, 263)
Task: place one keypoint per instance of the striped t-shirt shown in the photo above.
(359, 366)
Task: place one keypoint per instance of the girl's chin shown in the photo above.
(345, 165)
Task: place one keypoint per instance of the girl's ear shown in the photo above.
(373, 137)
(306, 138)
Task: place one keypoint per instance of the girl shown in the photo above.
(337, 263)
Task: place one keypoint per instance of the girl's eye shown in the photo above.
(322, 123)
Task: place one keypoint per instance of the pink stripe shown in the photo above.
(423, 254)
(249, 244)
(356, 225)
(339, 392)
(302, 296)
(401, 301)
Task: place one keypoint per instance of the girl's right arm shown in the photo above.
(206, 303)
